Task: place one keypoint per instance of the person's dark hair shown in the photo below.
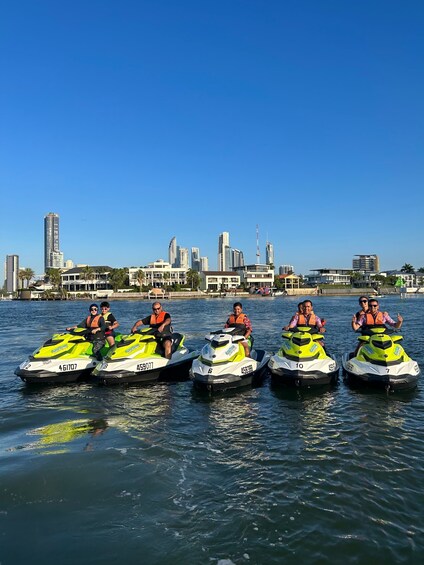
(363, 298)
(299, 305)
(307, 301)
(93, 306)
(237, 304)
(105, 305)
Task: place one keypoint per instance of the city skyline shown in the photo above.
(305, 119)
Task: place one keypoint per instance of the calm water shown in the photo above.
(161, 474)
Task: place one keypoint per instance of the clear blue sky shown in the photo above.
(139, 120)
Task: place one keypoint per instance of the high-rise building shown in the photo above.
(237, 258)
(195, 258)
(366, 263)
(172, 252)
(269, 253)
(224, 252)
(53, 257)
(11, 273)
(182, 257)
(204, 264)
(285, 269)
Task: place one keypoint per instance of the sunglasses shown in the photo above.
(364, 301)
(373, 305)
(93, 309)
(155, 309)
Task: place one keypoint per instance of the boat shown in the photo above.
(63, 358)
(139, 358)
(302, 360)
(223, 363)
(380, 362)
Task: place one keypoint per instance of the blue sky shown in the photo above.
(140, 120)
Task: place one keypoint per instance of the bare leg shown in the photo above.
(167, 346)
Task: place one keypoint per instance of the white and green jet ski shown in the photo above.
(64, 358)
(223, 363)
(139, 358)
(380, 362)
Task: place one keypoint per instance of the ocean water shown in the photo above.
(164, 474)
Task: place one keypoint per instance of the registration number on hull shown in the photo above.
(68, 367)
(145, 366)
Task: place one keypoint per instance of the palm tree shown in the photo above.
(117, 278)
(22, 277)
(140, 277)
(193, 278)
(54, 277)
(29, 275)
(407, 268)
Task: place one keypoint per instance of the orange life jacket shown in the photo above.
(157, 320)
(301, 320)
(93, 322)
(373, 320)
(238, 323)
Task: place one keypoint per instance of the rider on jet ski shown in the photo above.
(243, 325)
(307, 317)
(373, 317)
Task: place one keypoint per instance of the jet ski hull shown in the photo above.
(303, 373)
(57, 372)
(143, 371)
(399, 377)
(250, 372)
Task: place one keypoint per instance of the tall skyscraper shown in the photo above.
(53, 257)
(195, 258)
(269, 253)
(237, 258)
(204, 264)
(12, 273)
(224, 251)
(182, 257)
(172, 252)
(366, 263)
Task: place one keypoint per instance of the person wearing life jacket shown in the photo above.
(242, 325)
(111, 323)
(160, 321)
(96, 327)
(307, 318)
(300, 310)
(363, 304)
(373, 317)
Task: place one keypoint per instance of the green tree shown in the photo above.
(193, 278)
(21, 277)
(118, 278)
(140, 276)
(407, 268)
(421, 270)
(29, 275)
(53, 276)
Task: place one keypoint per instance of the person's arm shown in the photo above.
(114, 322)
(248, 325)
(101, 328)
(294, 320)
(391, 322)
(356, 324)
(319, 324)
(135, 326)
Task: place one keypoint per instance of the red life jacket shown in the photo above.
(156, 321)
(371, 320)
(93, 322)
